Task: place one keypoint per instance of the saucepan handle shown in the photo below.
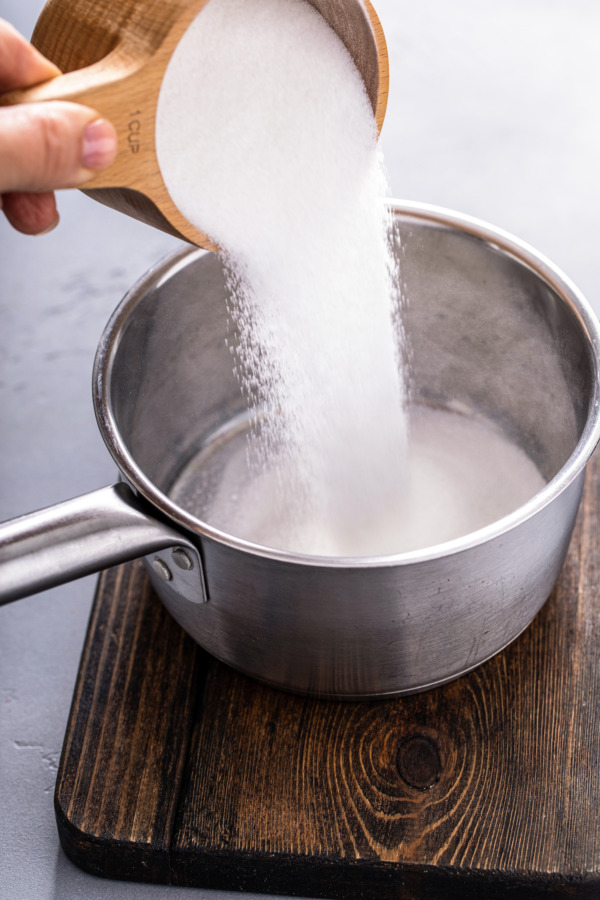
(78, 537)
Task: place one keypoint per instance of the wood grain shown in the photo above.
(487, 787)
(114, 56)
(128, 734)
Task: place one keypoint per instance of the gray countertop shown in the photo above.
(493, 111)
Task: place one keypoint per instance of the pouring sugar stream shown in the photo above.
(283, 170)
(266, 147)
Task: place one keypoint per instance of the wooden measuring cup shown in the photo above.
(114, 54)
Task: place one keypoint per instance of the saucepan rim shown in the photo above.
(497, 238)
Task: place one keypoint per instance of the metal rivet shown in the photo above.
(182, 559)
(161, 569)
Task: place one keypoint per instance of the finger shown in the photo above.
(21, 65)
(45, 146)
(31, 213)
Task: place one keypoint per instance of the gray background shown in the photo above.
(493, 112)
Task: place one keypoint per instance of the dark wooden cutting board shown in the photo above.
(175, 769)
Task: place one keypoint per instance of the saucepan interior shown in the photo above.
(486, 335)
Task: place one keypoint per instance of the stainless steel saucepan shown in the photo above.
(494, 330)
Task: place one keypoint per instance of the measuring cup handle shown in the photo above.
(78, 537)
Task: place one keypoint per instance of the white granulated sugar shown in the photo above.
(266, 140)
(461, 475)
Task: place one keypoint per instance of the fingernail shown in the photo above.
(99, 144)
(50, 227)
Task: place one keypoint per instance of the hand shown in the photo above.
(43, 146)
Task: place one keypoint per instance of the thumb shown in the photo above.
(50, 145)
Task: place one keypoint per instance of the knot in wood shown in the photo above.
(419, 762)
